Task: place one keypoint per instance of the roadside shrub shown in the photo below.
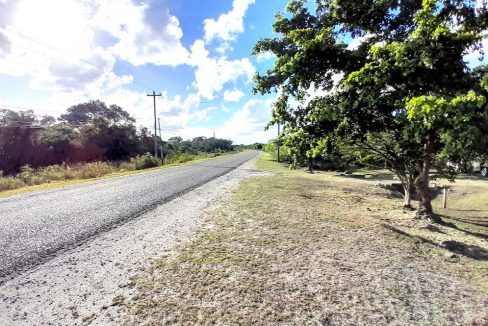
(10, 183)
(51, 173)
(181, 158)
(57, 173)
(127, 166)
(26, 173)
(35, 180)
(69, 173)
(145, 161)
(95, 170)
(185, 157)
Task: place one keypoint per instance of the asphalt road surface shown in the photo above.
(36, 226)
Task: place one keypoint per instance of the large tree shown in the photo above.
(96, 112)
(404, 91)
(109, 128)
(18, 135)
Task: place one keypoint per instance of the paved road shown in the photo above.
(36, 226)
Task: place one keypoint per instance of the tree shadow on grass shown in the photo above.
(468, 221)
(454, 226)
(468, 210)
(470, 251)
(368, 176)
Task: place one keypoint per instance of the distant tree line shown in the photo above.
(255, 146)
(87, 132)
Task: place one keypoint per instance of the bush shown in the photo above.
(145, 161)
(181, 158)
(26, 173)
(95, 170)
(127, 166)
(10, 183)
(185, 157)
(57, 172)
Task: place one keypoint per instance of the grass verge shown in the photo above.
(312, 249)
(15, 186)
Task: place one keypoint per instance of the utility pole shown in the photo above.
(161, 138)
(278, 143)
(155, 130)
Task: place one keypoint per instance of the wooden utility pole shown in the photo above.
(155, 130)
(160, 137)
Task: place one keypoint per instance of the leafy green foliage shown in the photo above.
(145, 161)
(404, 95)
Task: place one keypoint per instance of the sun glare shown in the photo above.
(60, 24)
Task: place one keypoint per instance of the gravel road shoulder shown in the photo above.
(84, 285)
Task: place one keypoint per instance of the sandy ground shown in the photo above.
(84, 285)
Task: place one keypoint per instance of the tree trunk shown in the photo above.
(422, 186)
(309, 165)
(408, 185)
(408, 188)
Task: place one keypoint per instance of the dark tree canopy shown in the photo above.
(88, 132)
(96, 112)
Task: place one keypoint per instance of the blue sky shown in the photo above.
(57, 53)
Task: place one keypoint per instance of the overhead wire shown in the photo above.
(47, 111)
(61, 51)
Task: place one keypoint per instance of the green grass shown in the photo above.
(294, 248)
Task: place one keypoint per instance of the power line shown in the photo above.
(50, 47)
(61, 51)
(161, 138)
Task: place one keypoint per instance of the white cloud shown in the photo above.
(73, 66)
(178, 112)
(233, 95)
(356, 42)
(213, 73)
(147, 33)
(247, 125)
(53, 42)
(314, 92)
(265, 56)
(229, 24)
(57, 66)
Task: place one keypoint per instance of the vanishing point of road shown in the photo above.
(36, 226)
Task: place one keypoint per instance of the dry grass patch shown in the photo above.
(53, 176)
(300, 249)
